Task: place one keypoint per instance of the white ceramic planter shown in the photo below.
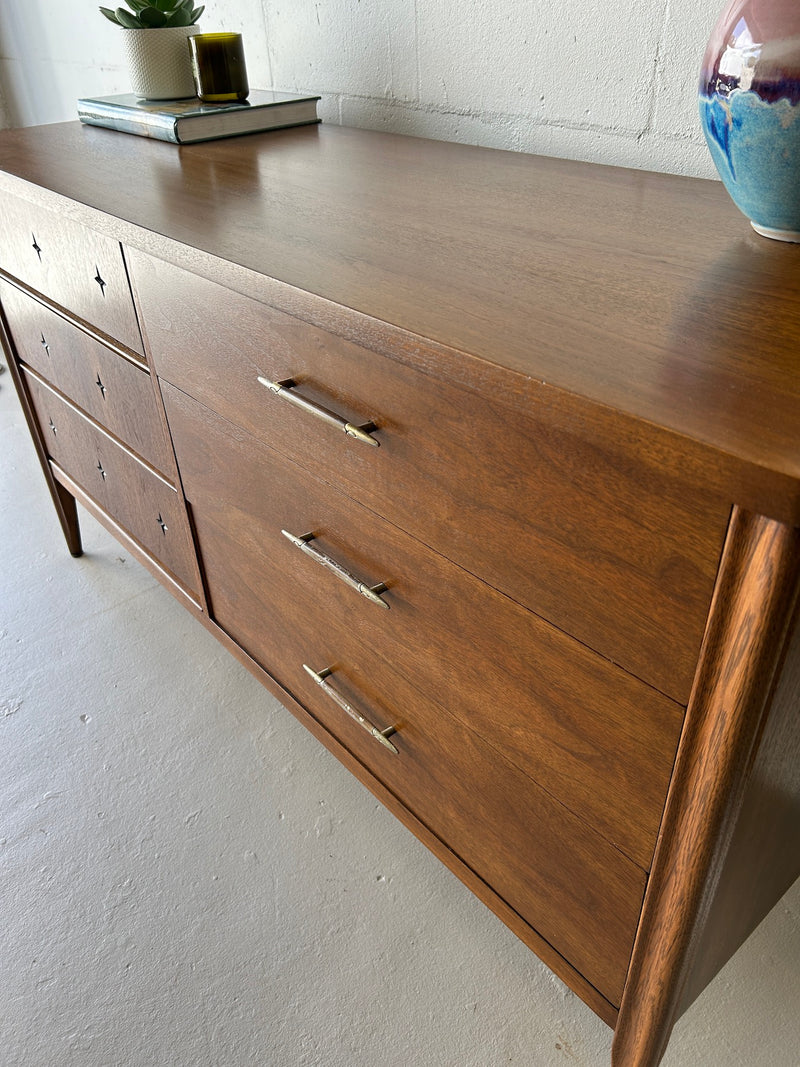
(159, 64)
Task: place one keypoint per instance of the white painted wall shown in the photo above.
(584, 79)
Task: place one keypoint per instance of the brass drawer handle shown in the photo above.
(379, 735)
(284, 388)
(371, 592)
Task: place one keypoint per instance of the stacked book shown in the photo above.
(185, 121)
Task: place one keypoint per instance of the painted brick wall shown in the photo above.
(586, 79)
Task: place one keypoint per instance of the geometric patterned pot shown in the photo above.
(159, 63)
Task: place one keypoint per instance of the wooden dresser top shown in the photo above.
(647, 294)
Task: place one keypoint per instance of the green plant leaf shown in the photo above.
(126, 19)
(152, 18)
(184, 14)
(153, 14)
(180, 16)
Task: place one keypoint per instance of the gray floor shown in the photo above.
(188, 878)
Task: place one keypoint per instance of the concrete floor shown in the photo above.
(188, 878)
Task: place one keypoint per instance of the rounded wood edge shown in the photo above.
(742, 648)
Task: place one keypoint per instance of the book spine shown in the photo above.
(162, 128)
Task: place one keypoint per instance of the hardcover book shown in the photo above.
(186, 121)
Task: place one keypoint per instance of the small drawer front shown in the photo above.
(111, 389)
(599, 740)
(82, 271)
(149, 509)
(565, 880)
(604, 546)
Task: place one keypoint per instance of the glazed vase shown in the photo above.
(159, 63)
(750, 111)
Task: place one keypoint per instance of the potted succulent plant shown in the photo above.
(156, 33)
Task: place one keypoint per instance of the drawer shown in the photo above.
(598, 739)
(79, 269)
(149, 509)
(110, 388)
(561, 877)
(604, 545)
(564, 880)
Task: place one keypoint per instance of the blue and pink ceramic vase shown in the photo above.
(750, 111)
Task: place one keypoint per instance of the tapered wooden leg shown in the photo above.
(67, 511)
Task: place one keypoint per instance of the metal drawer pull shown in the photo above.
(379, 735)
(283, 388)
(371, 592)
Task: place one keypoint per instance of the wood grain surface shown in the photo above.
(611, 546)
(63, 499)
(743, 650)
(145, 505)
(600, 741)
(763, 859)
(80, 269)
(113, 390)
(647, 293)
(568, 883)
(627, 331)
(530, 937)
(580, 894)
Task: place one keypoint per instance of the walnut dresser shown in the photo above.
(488, 466)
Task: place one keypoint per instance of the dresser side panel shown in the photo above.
(763, 860)
(740, 662)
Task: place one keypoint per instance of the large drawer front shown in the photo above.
(599, 740)
(578, 892)
(110, 388)
(604, 545)
(79, 269)
(563, 879)
(143, 504)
